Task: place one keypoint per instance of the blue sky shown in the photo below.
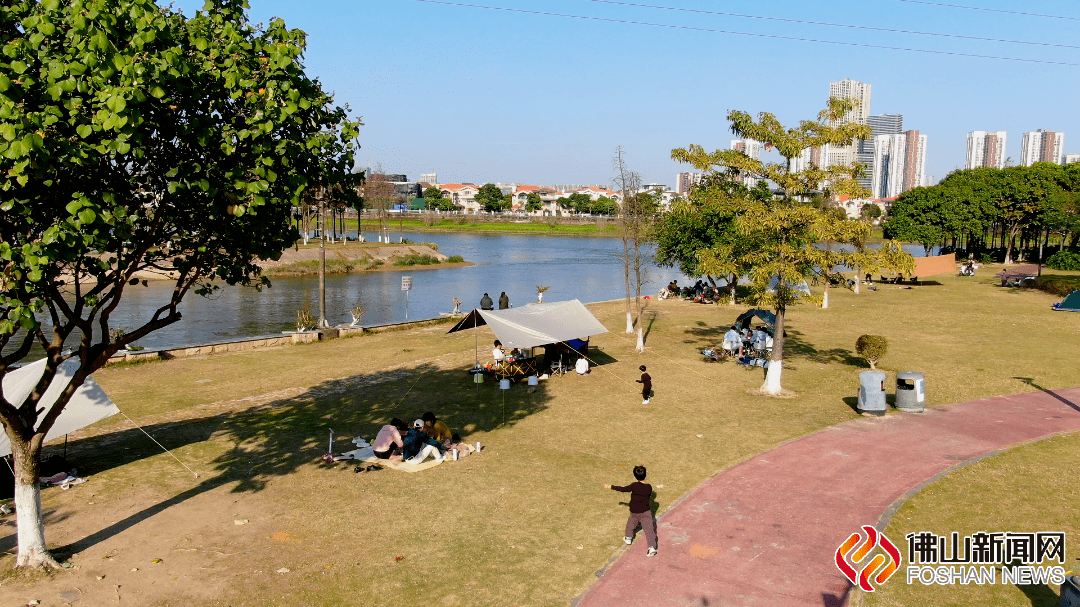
(484, 95)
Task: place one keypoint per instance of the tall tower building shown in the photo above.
(859, 92)
(985, 149)
(752, 149)
(684, 181)
(1042, 146)
(899, 163)
(880, 124)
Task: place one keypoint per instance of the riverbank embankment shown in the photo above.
(344, 257)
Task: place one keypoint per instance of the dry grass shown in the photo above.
(524, 523)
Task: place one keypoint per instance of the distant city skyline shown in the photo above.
(536, 98)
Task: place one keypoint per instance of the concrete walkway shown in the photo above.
(765, 532)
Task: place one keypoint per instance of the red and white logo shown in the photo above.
(856, 549)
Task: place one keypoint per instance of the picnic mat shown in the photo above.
(368, 456)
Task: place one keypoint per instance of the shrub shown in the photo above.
(1057, 284)
(455, 259)
(416, 260)
(1064, 260)
(986, 258)
(872, 348)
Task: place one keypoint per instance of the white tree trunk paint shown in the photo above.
(640, 340)
(825, 298)
(32, 552)
(857, 281)
(772, 378)
(629, 322)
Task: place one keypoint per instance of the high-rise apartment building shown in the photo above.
(752, 149)
(1042, 146)
(985, 149)
(818, 157)
(880, 124)
(899, 163)
(859, 92)
(684, 181)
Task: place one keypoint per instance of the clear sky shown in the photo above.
(486, 95)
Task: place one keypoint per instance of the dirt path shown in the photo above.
(765, 532)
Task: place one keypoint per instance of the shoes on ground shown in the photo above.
(651, 552)
(645, 402)
(628, 540)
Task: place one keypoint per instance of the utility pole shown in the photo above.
(322, 261)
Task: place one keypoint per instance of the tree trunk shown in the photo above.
(626, 273)
(825, 296)
(640, 337)
(31, 527)
(1009, 249)
(733, 284)
(772, 375)
(858, 280)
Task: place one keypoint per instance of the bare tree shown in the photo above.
(379, 194)
(633, 233)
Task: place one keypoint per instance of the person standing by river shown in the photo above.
(504, 301)
(486, 303)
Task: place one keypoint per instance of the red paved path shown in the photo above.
(765, 531)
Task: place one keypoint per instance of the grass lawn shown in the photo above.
(524, 523)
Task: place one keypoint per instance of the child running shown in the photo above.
(646, 385)
(640, 514)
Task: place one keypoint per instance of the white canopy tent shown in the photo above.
(536, 324)
(88, 405)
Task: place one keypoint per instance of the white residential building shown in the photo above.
(462, 194)
(985, 149)
(859, 93)
(1042, 146)
(752, 149)
(1071, 158)
(899, 163)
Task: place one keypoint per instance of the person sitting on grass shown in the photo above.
(389, 442)
(436, 429)
(640, 514)
(418, 446)
(733, 341)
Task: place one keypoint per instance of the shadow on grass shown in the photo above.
(1040, 595)
(795, 344)
(278, 438)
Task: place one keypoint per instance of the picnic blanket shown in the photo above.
(366, 454)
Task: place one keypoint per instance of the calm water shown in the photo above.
(589, 269)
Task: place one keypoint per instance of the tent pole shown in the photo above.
(476, 349)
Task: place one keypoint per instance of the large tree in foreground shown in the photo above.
(784, 230)
(136, 140)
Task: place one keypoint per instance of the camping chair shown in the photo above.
(883, 279)
(914, 280)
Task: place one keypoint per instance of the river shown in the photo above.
(575, 267)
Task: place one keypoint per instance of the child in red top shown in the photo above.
(640, 513)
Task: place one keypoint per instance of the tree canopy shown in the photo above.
(135, 140)
(772, 239)
(490, 198)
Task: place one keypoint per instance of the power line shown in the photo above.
(734, 33)
(991, 10)
(860, 27)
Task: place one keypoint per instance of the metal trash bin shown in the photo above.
(1070, 592)
(872, 393)
(910, 391)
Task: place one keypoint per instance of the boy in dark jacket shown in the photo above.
(640, 514)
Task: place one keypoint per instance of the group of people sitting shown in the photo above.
(428, 436)
(701, 292)
(748, 346)
(487, 304)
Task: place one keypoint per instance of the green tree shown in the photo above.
(133, 139)
(435, 201)
(604, 206)
(870, 211)
(533, 202)
(576, 202)
(490, 198)
(784, 231)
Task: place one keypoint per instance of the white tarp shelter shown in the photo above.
(535, 324)
(89, 404)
